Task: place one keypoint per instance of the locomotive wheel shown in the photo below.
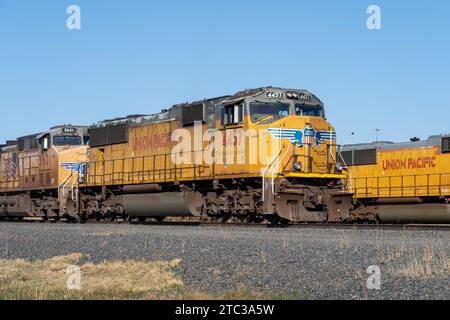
(223, 218)
(277, 221)
(70, 219)
(112, 217)
(252, 218)
(258, 219)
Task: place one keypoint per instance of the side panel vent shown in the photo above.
(445, 145)
(192, 113)
(359, 157)
(368, 156)
(108, 135)
(117, 134)
(97, 137)
(346, 157)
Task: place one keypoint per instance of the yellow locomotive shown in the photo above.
(265, 154)
(39, 173)
(401, 182)
(261, 154)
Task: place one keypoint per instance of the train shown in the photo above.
(37, 170)
(401, 182)
(264, 155)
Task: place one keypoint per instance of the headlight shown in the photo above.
(292, 95)
(298, 166)
(339, 167)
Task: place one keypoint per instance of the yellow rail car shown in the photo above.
(264, 151)
(39, 173)
(394, 174)
(147, 156)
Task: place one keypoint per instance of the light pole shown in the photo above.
(377, 133)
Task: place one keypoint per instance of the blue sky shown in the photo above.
(141, 56)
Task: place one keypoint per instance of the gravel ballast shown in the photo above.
(310, 263)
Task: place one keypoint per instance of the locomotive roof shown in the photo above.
(30, 136)
(38, 135)
(10, 144)
(173, 112)
(60, 126)
(432, 141)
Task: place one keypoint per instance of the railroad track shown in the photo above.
(414, 226)
(314, 226)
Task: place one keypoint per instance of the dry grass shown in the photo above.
(105, 233)
(286, 242)
(262, 255)
(47, 279)
(426, 264)
(344, 241)
(416, 263)
(388, 255)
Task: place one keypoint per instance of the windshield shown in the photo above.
(267, 112)
(308, 110)
(66, 141)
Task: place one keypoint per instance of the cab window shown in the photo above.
(446, 145)
(233, 114)
(267, 112)
(66, 140)
(308, 110)
(15, 159)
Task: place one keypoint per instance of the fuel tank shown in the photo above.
(15, 206)
(186, 203)
(415, 213)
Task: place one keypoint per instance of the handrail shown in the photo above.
(276, 167)
(264, 173)
(72, 188)
(421, 184)
(146, 168)
(65, 181)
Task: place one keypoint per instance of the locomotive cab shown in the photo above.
(291, 121)
(63, 137)
(39, 173)
(295, 148)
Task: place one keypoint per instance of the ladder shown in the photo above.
(69, 188)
